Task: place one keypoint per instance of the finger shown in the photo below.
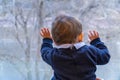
(91, 33)
(44, 31)
(41, 34)
(95, 33)
(48, 31)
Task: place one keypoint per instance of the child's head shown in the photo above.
(65, 30)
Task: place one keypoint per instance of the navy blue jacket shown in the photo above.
(72, 63)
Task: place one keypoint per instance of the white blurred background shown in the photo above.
(20, 21)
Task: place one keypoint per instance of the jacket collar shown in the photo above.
(77, 45)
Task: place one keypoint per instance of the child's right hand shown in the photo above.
(93, 35)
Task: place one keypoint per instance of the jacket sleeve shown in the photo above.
(46, 50)
(101, 52)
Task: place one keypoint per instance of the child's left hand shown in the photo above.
(45, 33)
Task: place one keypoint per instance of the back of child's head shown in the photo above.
(65, 29)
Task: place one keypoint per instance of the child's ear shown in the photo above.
(80, 37)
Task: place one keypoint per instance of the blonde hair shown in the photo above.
(65, 29)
